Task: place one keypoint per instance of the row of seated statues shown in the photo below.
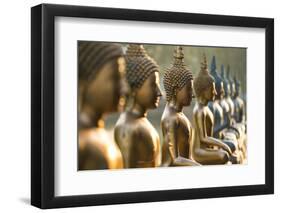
(111, 80)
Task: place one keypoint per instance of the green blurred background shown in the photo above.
(163, 55)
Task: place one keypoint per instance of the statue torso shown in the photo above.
(98, 151)
(226, 110)
(184, 133)
(181, 130)
(207, 116)
(138, 140)
(231, 105)
(217, 111)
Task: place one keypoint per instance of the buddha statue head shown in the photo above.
(99, 63)
(237, 87)
(231, 82)
(226, 85)
(178, 80)
(204, 84)
(218, 80)
(142, 74)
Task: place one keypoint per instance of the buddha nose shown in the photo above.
(193, 95)
(159, 93)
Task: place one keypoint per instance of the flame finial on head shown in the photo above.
(214, 66)
(214, 73)
(204, 66)
(136, 50)
(203, 80)
(178, 55)
(228, 73)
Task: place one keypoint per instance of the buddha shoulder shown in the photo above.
(95, 137)
(131, 126)
(170, 120)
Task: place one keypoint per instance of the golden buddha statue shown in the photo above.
(206, 149)
(99, 63)
(176, 128)
(138, 140)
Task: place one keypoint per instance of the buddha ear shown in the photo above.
(131, 99)
(175, 92)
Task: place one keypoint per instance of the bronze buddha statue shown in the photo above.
(138, 140)
(219, 122)
(240, 118)
(206, 149)
(234, 132)
(222, 127)
(228, 91)
(239, 108)
(231, 85)
(99, 63)
(176, 128)
(224, 102)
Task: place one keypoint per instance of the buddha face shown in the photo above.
(227, 89)
(104, 91)
(220, 91)
(184, 95)
(148, 95)
(210, 93)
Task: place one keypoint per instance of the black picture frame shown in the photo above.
(43, 105)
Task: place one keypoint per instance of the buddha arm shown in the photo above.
(203, 136)
(171, 137)
(219, 128)
(172, 146)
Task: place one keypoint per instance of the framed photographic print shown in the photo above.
(139, 106)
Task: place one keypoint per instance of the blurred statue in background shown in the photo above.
(239, 108)
(220, 123)
(231, 86)
(206, 149)
(99, 63)
(234, 133)
(223, 103)
(176, 128)
(240, 118)
(227, 103)
(137, 138)
(227, 91)
(222, 127)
